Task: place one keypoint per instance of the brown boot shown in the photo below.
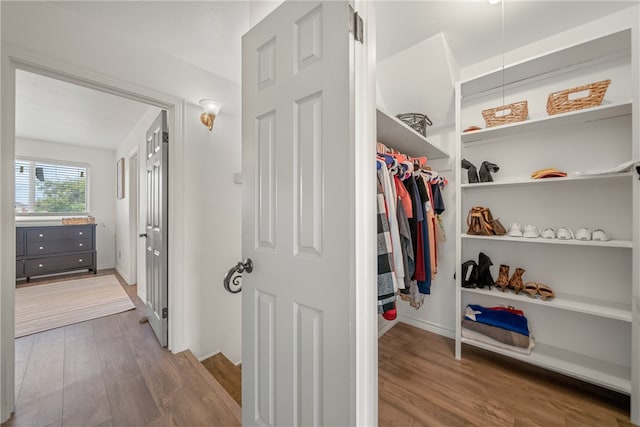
(516, 280)
(503, 277)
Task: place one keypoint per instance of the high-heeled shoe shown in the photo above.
(469, 282)
(484, 272)
(472, 171)
(515, 282)
(485, 171)
(503, 277)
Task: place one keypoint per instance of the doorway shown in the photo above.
(56, 71)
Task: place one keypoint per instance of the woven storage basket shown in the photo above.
(559, 102)
(518, 112)
(416, 121)
(79, 220)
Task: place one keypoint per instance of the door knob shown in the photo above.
(142, 235)
(235, 273)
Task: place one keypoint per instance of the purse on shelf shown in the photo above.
(480, 222)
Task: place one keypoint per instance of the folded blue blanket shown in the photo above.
(498, 318)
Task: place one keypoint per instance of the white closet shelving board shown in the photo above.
(577, 303)
(556, 359)
(539, 240)
(528, 181)
(593, 50)
(590, 273)
(594, 205)
(396, 134)
(601, 112)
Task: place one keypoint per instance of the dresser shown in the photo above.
(55, 249)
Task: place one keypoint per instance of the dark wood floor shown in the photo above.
(111, 371)
(227, 374)
(420, 383)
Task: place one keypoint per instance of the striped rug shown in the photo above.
(52, 305)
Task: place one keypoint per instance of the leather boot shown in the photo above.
(516, 280)
(485, 171)
(503, 277)
(484, 272)
(473, 277)
(472, 172)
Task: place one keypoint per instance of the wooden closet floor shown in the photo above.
(421, 383)
(111, 371)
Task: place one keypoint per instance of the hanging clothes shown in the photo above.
(386, 278)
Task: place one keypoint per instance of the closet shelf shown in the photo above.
(577, 303)
(529, 181)
(601, 112)
(561, 60)
(609, 244)
(569, 363)
(394, 133)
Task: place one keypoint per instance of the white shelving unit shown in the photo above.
(589, 330)
(394, 133)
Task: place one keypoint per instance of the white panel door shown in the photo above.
(157, 143)
(298, 211)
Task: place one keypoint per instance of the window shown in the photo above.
(50, 187)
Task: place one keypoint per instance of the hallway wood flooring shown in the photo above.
(111, 371)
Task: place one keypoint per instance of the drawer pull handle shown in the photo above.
(80, 260)
(80, 244)
(80, 233)
(40, 235)
(41, 247)
(40, 265)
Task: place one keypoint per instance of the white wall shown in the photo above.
(135, 139)
(102, 178)
(211, 202)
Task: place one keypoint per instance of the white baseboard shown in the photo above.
(124, 275)
(106, 267)
(428, 326)
(179, 348)
(200, 359)
(387, 327)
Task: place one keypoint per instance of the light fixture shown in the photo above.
(211, 109)
(494, 1)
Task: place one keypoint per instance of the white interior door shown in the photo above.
(156, 230)
(298, 304)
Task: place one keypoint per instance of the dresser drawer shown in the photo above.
(57, 246)
(19, 269)
(20, 241)
(34, 267)
(59, 233)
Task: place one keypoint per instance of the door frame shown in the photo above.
(18, 59)
(134, 214)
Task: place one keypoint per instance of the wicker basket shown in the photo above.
(559, 102)
(416, 121)
(79, 220)
(510, 113)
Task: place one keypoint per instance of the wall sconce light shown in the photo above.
(211, 109)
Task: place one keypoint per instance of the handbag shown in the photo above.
(479, 221)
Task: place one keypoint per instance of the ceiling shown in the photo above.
(473, 29)
(57, 111)
(208, 34)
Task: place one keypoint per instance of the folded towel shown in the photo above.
(502, 319)
(498, 334)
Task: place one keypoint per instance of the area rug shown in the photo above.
(52, 305)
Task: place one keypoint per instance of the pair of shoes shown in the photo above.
(480, 275)
(598, 235)
(485, 171)
(515, 283)
(529, 230)
(533, 289)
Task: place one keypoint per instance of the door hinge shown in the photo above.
(165, 136)
(356, 25)
(165, 313)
